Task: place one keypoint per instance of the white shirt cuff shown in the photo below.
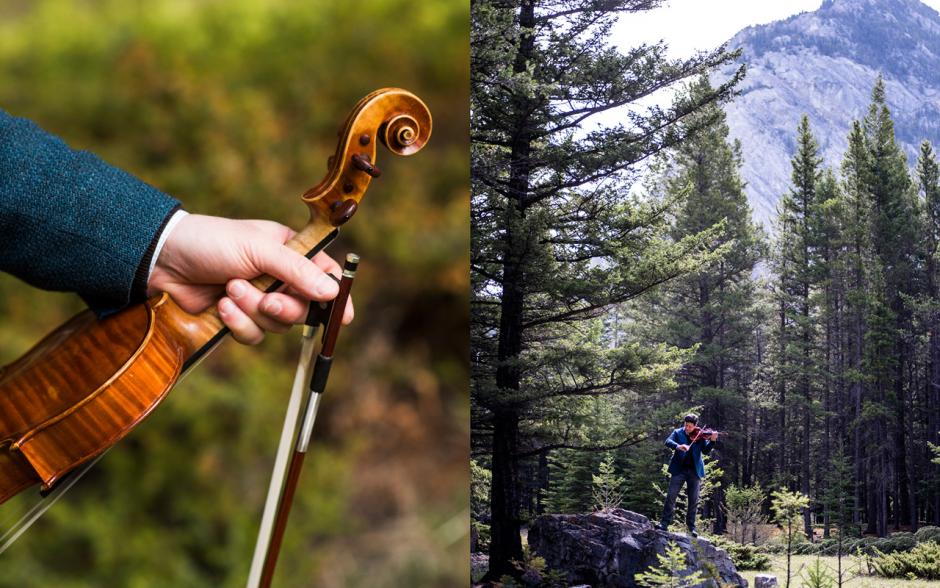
(170, 225)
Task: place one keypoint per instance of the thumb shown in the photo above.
(295, 270)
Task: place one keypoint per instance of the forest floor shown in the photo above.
(800, 563)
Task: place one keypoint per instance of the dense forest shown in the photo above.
(604, 310)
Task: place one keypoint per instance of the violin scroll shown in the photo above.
(396, 118)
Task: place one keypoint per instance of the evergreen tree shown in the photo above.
(857, 255)
(928, 177)
(829, 214)
(712, 309)
(838, 502)
(556, 240)
(894, 238)
(786, 507)
(643, 474)
(672, 572)
(796, 267)
(570, 481)
(608, 487)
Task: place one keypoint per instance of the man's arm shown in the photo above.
(671, 441)
(709, 445)
(69, 221)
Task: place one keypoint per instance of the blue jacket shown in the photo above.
(69, 221)
(677, 438)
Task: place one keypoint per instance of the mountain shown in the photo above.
(824, 64)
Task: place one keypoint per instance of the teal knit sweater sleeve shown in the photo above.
(69, 221)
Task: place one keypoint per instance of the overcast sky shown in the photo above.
(689, 25)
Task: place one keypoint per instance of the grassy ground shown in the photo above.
(800, 564)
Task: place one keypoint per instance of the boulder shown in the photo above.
(765, 581)
(608, 548)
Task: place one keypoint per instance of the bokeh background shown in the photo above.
(232, 106)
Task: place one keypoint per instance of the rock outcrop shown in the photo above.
(765, 581)
(607, 549)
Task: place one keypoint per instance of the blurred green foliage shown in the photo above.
(232, 106)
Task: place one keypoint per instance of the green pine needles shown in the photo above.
(608, 486)
(673, 571)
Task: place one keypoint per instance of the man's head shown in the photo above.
(689, 422)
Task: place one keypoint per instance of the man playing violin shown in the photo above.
(686, 467)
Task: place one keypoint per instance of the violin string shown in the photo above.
(27, 520)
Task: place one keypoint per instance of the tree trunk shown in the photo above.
(506, 540)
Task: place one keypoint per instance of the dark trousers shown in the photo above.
(693, 483)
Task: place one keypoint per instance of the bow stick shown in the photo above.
(284, 483)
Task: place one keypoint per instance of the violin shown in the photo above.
(702, 434)
(87, 384)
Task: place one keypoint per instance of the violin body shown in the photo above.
(87, 384)
(701, 434)
(84, 387)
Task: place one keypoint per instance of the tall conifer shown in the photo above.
(556, 239)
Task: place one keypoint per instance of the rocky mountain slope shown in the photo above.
(824, 64)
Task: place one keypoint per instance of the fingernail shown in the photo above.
(325, 286)
(236, 289)
(225, 306)
(272, 307)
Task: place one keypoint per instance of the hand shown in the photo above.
(205, 257)
(683, 447)
(713, 436)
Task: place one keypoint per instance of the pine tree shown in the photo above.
(894, 238)
(570, 482)
(838, 502)
(858, 260)
(797, 271)
(556, 239)
(831, 282)
(672, 572)
(642, 474)
(786, 507)
(712, 309)
(928, 176)
(608, 487)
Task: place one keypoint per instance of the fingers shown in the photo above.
(248, 312)
(295, 270)
(244, 330)
(276, 311)
(292, 308)
(330, 266)
(248, 299)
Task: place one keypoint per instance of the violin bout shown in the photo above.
(84, 387)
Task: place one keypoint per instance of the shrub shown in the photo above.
(895, 542)
(483, 535)
(928, 533)
(744, 556)
(672, 571)
(923, 561)
(773, 548)
(818, 575)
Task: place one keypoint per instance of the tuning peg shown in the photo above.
(342, 211)
(362, 163)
